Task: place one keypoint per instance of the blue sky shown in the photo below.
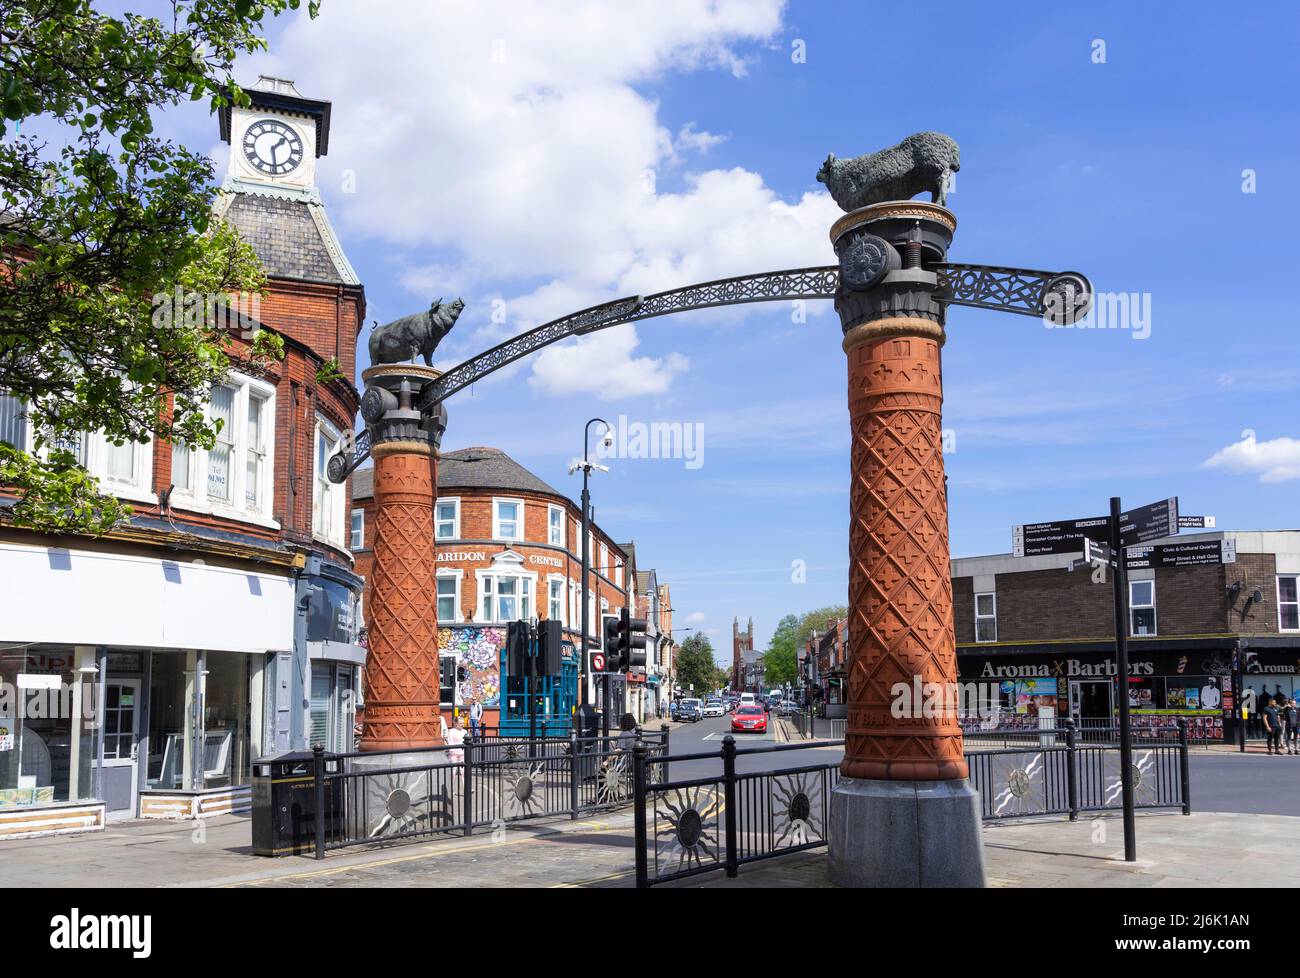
(547, 157)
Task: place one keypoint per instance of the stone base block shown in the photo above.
(395, 799)
(905, 834)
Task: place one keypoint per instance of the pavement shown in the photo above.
(1200, 850)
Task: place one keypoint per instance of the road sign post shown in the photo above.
(1120, 578)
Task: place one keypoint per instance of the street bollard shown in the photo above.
(663, 770)
(638, 814)
(469, 785)
(1184, 766)
(573, 775)
(1072, 770)
(729, 793)
(318, 772)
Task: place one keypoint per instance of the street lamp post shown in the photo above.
(586, 465)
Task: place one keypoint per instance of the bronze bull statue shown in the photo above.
(420, 333)
(924, 161)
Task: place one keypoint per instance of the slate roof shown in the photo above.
(469, 468)
(286, 237)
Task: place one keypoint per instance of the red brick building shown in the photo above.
(508, 547)
(219, 624)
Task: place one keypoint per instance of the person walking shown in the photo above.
(1272, 727)
(1291, 726)
(476, 719)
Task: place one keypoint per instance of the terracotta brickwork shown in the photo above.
(401, 680)
(900, 592)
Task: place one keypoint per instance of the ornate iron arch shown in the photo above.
(1015, 290)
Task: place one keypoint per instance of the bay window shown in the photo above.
(446, 519)
(234, 476)
(328, 498)
(508, 519)
(555, 598)
(505, 597)
(448, 596)
(555, 525)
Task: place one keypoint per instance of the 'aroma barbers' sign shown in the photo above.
(1064, 668)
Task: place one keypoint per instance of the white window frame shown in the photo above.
(196, 498)
(455, 520)
(335, 493)
(993, 617)
(618, 571)
(1155, 615)
(448, 574)
(604, 561)
(552, 511)
(488, 616)
(575, 606)
(93, 455)
(551, 599)
(1293, 604)
(496, 519)
(357, 534)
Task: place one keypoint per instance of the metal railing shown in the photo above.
(1053, 771)
(807, 725)
(455, 789)
(698, 825)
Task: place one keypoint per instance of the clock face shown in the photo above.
(273, 147)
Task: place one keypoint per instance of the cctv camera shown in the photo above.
(609, 438)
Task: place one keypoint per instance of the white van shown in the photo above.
(747, 699)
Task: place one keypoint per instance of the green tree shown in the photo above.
(779, 662)
(695, 665)
(816, 620)
(96, 227)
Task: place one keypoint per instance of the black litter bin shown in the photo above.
(284, 803)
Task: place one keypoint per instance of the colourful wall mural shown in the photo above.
(478, 651)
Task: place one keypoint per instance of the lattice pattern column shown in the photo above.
(401, 679)
(900, 590)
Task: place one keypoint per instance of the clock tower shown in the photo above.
(270, 193)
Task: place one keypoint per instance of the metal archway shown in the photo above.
(1021, 291)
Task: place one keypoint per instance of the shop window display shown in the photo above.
(47, 732)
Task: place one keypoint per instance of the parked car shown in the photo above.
(749, 719)
(788, 708)
(714, 708)
(688, 711)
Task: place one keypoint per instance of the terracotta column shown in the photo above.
(402, 694)
(903, 813)
(900, 590)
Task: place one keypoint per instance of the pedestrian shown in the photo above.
(1291, 724)
(1272, 727)
(455, 738)
(476, 719)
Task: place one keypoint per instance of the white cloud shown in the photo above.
(602, 365)
(496, 144)
(696, 618)
(1276, 460)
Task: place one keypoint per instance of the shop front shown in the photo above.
(1192, 679)
(131, 685)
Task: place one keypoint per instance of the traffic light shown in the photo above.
(517, 648)
(628, 635)
(550, 647)
(613, 645)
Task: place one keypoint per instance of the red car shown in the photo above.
(749, 719)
